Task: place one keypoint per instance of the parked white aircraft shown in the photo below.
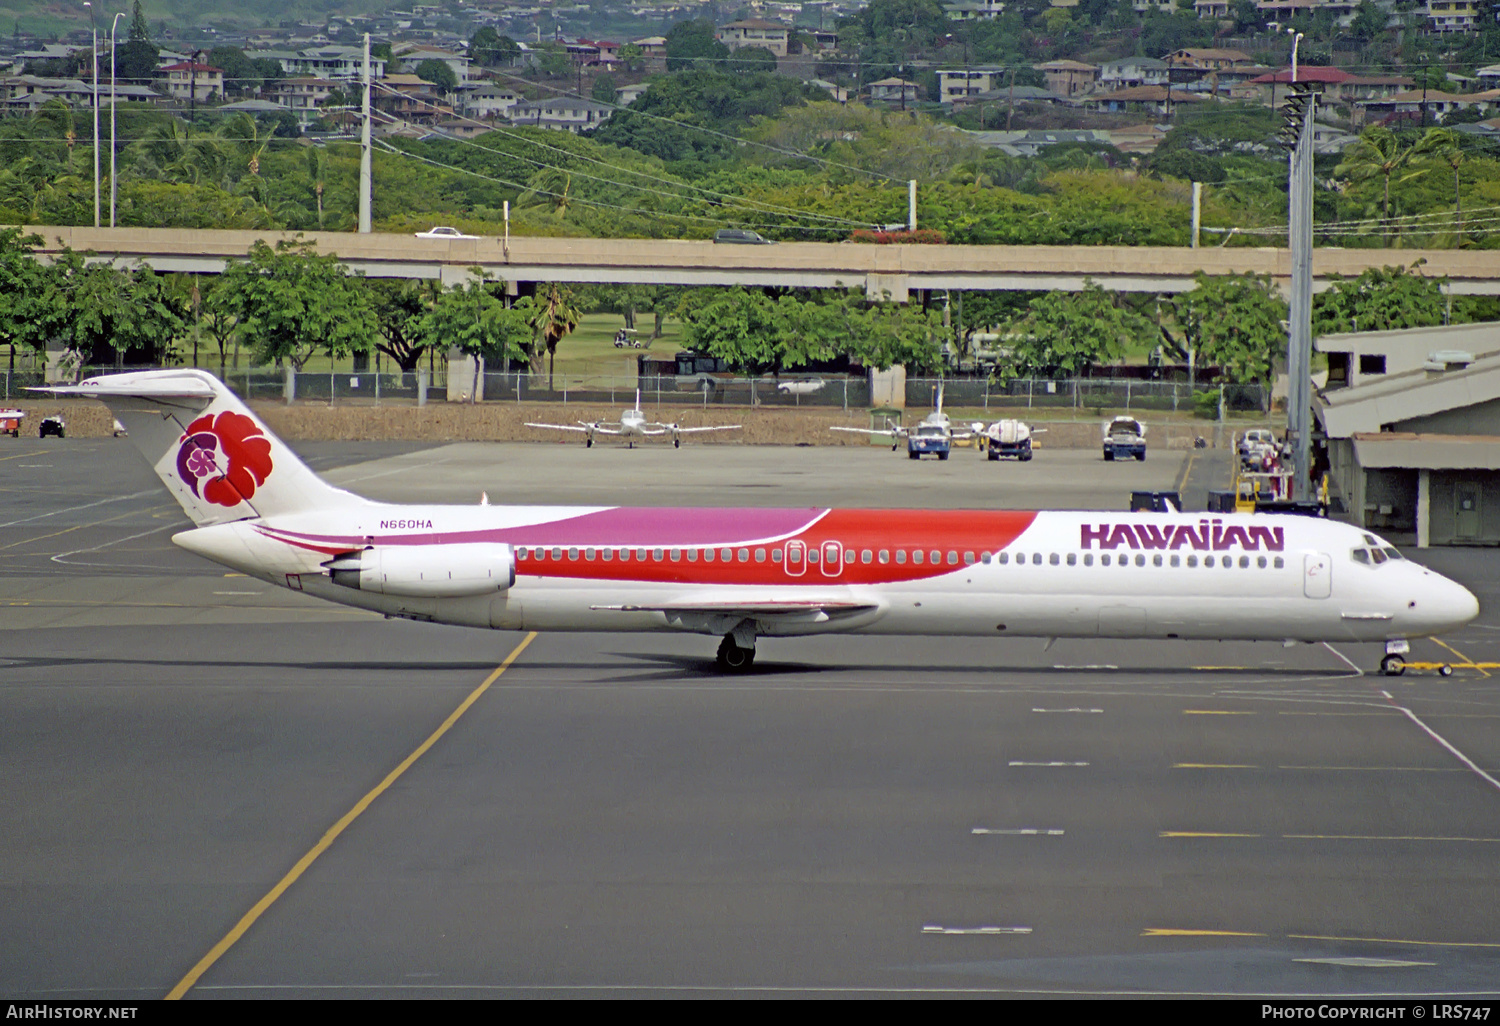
(632, 426)
(935, 434)
(744, 573)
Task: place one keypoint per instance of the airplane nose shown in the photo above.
(1445, 605)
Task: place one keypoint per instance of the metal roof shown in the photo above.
(1427, 452)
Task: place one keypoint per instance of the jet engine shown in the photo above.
(440, 571)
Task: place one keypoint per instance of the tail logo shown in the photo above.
(226, 457)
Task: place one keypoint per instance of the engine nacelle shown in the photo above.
(428, 571)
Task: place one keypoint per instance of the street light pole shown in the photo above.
(94, 84)
(113, 185)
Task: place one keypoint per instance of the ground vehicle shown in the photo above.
(1009, 438)
(1124, 437)
(1258, 450)
(52, 426)
(10, 422)
(929, 440)
(625, 338)
(442, 231)
(743, 236)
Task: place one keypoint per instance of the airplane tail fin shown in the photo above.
(217, 458)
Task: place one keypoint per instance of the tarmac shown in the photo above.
(217, 789)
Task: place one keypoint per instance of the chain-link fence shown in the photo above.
(1085, 395)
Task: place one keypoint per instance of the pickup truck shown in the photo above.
(1124, 437)
(928, 440)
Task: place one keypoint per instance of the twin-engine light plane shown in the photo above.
(740, 574)
(633, 427)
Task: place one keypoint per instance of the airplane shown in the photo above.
(631, 426)
(741, 574)
(935, 434)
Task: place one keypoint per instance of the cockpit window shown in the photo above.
(1393, 553)
(1361, 556)
(1370, 539)
(1378, 555)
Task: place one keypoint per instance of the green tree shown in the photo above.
(1380, 299)
(25, 319)
(1442, 146)
(632, 57)
(1235, 321)
(691, 45)
(474, 317)
(1378, 154)
(438, 73)
(103, 312)
(138, 56)
(490, 48)
(403, 309)
(1064, 333)
(553, 318)
(292, 302)
(603, 89)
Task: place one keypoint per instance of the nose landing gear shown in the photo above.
(734, 659)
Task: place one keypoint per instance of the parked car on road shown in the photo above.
(741, 235)
(442, 231)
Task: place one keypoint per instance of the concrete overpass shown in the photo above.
(895, 270)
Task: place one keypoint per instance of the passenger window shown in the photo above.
(692, 555)
(1208, 561)
(572, 553)
(776, 555)
(900, 555)
(1054, 559)
(1140, 560)
(1176, 560)
(952, 558)
(1003, 558)
(588, 554)
(521, 553)
(708, 555)
(557, 553)
(744, 555)
(812, 555)
(935, 556)
(1104, 559)
(885, 555)
(656, 555)
(1088, 559)
(794, 555)
(1072, 559)
(1192, 561)
(985, 557)
(1260, 561)
(607, 554)
(866, 556)
(1156, 560)
(1244, 562)
(1279, 563)
(727, 555)
(1036, 559)
(968, 559)
(917, 556)
(676, 555)
(640, 554)
(760, 555)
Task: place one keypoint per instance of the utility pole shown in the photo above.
(95, 84)
(911, 205)
(113, 104)
(364, 150)
(1197, 211)
(1297, 135)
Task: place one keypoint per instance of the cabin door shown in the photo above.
(1317, 575)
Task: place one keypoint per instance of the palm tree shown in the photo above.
(1442, 145)
(1378, 153)
(317, 167)
(555, 318)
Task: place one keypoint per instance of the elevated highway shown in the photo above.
(895, 270)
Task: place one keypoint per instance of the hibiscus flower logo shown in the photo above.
(223, 459)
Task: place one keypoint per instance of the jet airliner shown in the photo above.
(740, 574)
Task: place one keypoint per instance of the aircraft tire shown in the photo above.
(1445, 670)
(732, 658)
(588, 443)
(1393, 666)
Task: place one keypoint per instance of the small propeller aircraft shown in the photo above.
(632, 426)
(935, 435)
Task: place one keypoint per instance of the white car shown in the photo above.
(442, 231)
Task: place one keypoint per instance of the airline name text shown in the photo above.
(1207, 536)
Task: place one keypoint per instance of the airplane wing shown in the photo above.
(559, 427)
(891, 432)
(804, 611)
(717, 427)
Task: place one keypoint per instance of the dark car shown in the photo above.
(52, 426)
(741, 235)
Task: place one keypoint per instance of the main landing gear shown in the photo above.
(734, 659)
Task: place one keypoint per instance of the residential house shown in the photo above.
(837, 93)
(1418, 107)
(302, 93)
(189, 80)
(627, 94)
(1142, 99)
(895, 91)
(561, 112)
(1131, 71)
(340, 63)
(1445, 16)
(1070, 78)
(490, 101)
(412, 56)
(754, 32)
(974, 10)
(957, 85)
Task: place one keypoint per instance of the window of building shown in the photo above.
(1370, 363)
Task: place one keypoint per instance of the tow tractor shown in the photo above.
(10, 422)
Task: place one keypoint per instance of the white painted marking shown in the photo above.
(73, 509)
(33, 465)
(1075, 710)
(1364, 963)
(1347, 661)
(974, 931)
(1016, 762)
(1087, 666)
(238, 593)
(61, 556)
(1022, 832)
(1460, 756)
